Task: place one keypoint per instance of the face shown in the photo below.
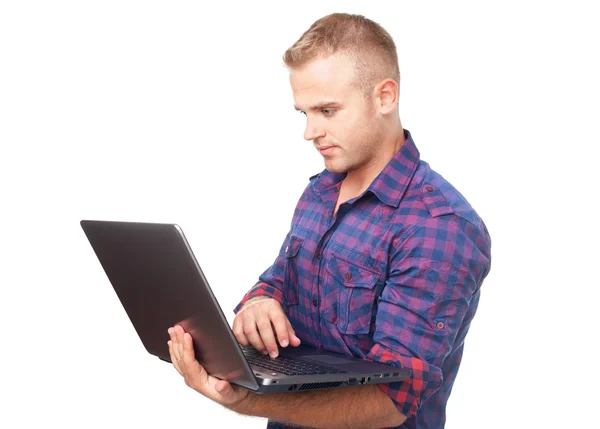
(340, 121)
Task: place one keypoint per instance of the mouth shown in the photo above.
(324, 150)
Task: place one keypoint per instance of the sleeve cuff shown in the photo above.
(409, 394)
(260, 289)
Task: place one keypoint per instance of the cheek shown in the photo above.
(349, 129)
(361, 129)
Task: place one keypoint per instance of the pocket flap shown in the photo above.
(351, 275)
(293, 246)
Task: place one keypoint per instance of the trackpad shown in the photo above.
(331, 360)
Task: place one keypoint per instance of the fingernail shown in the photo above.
(273, 354)
(284, 343)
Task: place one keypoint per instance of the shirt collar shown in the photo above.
(391, 183)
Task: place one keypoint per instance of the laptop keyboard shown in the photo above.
(286, 366)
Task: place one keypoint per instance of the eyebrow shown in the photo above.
(321, 105)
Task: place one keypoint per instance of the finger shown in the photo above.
(267, 336)
(238, 331)
(249, 330)
(226, 390)
(294, 340)
(173, 353)
(173, 348)
(254, 336)
(222, 387)
(189, 356)
(196, 376)
(178, 346)
(173, 360)
(281, 328)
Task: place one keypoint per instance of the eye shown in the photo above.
(328, 112)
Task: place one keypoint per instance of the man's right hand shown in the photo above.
(252, 325)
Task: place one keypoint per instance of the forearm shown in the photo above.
(346, 408)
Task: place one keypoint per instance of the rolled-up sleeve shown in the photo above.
(408, 394)
(434, 274)
(270, 283)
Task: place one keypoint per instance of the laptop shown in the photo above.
(160, 284)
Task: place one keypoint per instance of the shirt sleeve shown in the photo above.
(434, 274)
(270, 283)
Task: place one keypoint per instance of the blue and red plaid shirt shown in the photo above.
(393, 276)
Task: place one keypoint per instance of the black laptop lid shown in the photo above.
(155, 275)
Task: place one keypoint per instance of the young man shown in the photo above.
(384, 259)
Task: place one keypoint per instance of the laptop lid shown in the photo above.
(156, 276)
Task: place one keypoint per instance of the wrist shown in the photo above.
(244, 405)
(253, 300)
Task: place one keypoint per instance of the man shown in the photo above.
(384, 259)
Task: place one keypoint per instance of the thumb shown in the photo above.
(223, 387)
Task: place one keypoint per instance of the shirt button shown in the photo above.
(348, 276)
(429, 188)
(440, 325)
(314, 302)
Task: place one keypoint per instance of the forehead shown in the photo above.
(328, 78)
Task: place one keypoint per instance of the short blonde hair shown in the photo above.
(372, 48)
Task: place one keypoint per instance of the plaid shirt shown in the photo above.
(393, 276)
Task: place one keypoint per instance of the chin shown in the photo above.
(334, 168)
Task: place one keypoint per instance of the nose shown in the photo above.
(313, 130)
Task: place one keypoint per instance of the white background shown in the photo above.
(181, 112)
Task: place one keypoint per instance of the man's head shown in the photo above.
(371, 48)
(345, 77)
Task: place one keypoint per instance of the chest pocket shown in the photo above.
(356, 285)
(290, 276)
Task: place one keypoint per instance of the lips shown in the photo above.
(325, 149)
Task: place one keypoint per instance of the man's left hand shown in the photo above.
(183, 358)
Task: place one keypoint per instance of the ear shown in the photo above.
(386, 93)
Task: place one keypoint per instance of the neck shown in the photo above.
(359, 180)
